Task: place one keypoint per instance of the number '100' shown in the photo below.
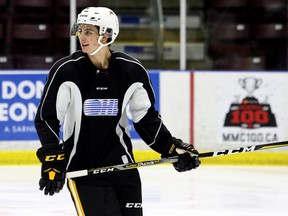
(249, 116)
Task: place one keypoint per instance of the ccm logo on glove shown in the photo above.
(133, 205)
(58, 157)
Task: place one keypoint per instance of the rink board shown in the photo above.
(259, 158)
(194, 106)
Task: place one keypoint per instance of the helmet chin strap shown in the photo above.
(101, 46)
(97, 50)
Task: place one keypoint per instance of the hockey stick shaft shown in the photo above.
(250, 148)
(119, 167)
(80, 173)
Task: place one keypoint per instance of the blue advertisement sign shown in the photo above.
(20, 94)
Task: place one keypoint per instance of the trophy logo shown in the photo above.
(250, 84)
(250, 113)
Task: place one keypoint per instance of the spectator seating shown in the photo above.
(269, 31)
(33, 61)
(31, 39)
(218, 32)
(236, 62)
(269, 4)
(225, 3)
(230, 31)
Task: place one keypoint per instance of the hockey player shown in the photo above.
(88, 92)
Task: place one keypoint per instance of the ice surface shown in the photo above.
(207, 191)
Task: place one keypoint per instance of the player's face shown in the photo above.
(88, 37)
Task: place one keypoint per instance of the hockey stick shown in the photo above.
(80, 173)
(244, 149)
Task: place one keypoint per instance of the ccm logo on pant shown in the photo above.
(133, 205)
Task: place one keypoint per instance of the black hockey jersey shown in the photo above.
(91, 104)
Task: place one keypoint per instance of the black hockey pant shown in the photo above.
(117, 197)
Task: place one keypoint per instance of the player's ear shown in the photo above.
(104, 38)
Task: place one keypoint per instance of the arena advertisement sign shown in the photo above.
(241, 107)
(20, 95)
(250, 112)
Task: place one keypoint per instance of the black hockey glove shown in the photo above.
(53, 168)
(187, 155)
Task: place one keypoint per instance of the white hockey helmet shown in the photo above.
(102, 17)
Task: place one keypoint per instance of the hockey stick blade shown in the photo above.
(251, 148)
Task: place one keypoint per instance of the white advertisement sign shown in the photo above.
(240, 108)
